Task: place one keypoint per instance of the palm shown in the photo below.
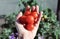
(22, 30)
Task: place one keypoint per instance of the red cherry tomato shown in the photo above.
(29, 27)
(34, 14)
(22, 19)
(30, 19)
(27, 13)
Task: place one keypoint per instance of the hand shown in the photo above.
(25, 33)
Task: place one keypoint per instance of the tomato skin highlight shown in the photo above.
(27, 13)
(29, 27)
(35, 20)
(22, 19)
(34, 14)
(29, 19)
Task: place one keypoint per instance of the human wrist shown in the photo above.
(20, 36)
(27, 37)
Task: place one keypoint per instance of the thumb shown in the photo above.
(19, 15)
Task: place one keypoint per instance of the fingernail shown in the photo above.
(28, 7)
(41, 13)
(33, 8)
(37, 8)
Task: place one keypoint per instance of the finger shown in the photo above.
(19, 15)
(37, 9)
(40, 16)
(28, 8)
(37, 24)
(33, 8)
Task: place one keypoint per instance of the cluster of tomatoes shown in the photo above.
(29, 19)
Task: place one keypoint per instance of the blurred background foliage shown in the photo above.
(49, 25)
